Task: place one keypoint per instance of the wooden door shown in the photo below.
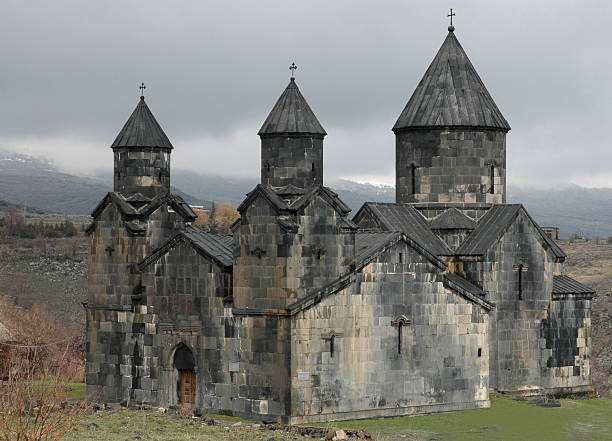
(188, 385)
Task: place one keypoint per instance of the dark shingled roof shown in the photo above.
(567, 285)
(467, 289)
(451, 94)
(492, 226)
(214, 246)
(219, 247)
(289, 190)
(142, 130)
(292, 114)
(130, 210)
(368, 243)
(272, 195)
(452, 219)
(405, 218)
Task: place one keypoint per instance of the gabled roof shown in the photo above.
(273, 195)
(131, 210)
(327, 194)
(370, 244)
(404, 218)
(467, 289)
(268, 193)
(142, 130)
(452, 219)
(566, 285)
(451, 94)
(491, 227)
(289, 190)
(212, 246)
(287, 209)
(292, 115)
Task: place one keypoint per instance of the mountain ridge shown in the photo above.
(38, 183)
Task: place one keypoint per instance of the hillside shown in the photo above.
(37, 183)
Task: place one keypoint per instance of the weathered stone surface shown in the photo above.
(304, 316)
(451, 165)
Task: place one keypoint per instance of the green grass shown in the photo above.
(126, 424)
(506, 420)
(76, 391)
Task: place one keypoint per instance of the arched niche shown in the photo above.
(185, 368)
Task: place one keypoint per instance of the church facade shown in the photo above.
(304, 314)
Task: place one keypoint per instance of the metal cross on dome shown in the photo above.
(142, 89)
(451, 15)
(292, 68)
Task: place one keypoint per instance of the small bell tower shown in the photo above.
(142, 154)
(292, 142)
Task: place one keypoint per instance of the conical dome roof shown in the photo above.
(292, 114)
(451, 94)
(142, 130)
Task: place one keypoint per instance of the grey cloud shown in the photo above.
(214, 70)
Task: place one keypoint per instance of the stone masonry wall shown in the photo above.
(260, 259)
(320, 253)
(274, 267)
(567, 353)
(451, 165)
(442, 363)
(146, 170)
(292, 160)
(113, 282)
(516, 345)
(185, 291)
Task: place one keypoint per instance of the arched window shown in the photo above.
(400, 322)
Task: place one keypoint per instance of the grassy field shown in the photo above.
(154, 426)
(506, 420)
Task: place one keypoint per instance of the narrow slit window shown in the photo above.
(401, 258)
(331, 346)
(313, 167)
(160, 175)
(268, 167)
(400, 321)
(492, 171)
(480, 352)
(400, 325)
(520, 268)
(413, 177)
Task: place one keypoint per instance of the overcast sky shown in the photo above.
(70, 72)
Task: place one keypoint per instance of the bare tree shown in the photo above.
(34, 402)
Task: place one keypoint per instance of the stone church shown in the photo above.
(306, 314)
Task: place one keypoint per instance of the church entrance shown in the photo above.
(184, 363)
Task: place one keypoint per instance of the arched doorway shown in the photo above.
(184, 363)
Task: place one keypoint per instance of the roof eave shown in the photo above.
(403, 129)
